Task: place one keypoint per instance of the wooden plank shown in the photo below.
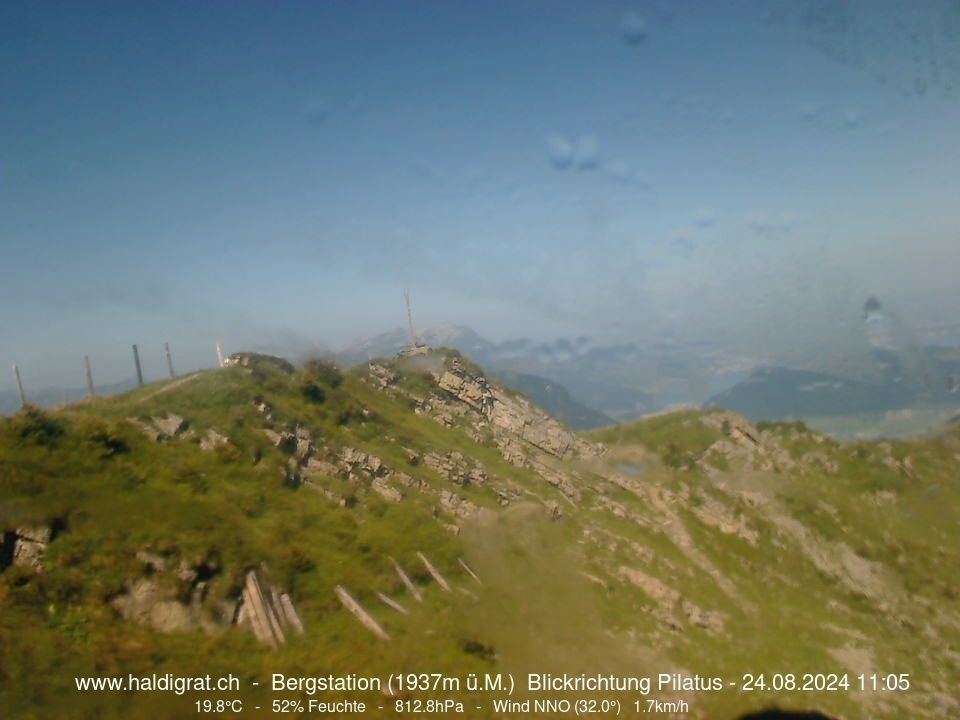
(260, 630)
(433, 571)
(469, 571)
(290, 613)
(407, 582)
(261, 614)
(392, 603)
(362, 615)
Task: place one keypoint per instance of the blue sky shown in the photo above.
(272, 175)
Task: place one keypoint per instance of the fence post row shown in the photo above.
(91, 388)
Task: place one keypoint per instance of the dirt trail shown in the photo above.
(170, 386)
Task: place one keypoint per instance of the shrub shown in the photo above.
(313, 392)
(33, 425)
(323, 372)
(108, 440)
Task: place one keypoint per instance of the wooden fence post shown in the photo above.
(136, 361)
(166, 349)
(86, 361)
(23, 398)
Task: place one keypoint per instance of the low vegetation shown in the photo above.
(689, 547)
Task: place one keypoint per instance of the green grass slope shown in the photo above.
(690, 542)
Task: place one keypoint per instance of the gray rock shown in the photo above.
(385, 490)
(171, 426)
(285, 440)
(212, 440)
(30, 545)
(304, 449)
(147, 429)
(383, 375)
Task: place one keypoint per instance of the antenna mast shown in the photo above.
(413, 337)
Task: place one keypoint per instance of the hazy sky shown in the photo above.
(272, 175)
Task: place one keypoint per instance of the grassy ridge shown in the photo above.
(678, 562)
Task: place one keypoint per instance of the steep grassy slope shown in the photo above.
(685, 543)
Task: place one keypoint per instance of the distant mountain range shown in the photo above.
(925, 376)
(782, 393)
(588, 384)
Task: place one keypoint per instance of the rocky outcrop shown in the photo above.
(474, 391)
(173, 597)
(382, 375)
(161, 429)
(254, 361)
(147, 602)
(744, 445)
(263, 408)
(512, 414)
(304, 446)
(212, 440)
(669, 606)
(525, 435)
(354, 460)
(557, 478)
(455, 467)
(284, 441)
(457, 506)
(171, 425)
(25, 546)
(383, 488)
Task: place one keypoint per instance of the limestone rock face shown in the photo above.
(753, 449)
(382, 375)
(474, 391)
(515, 415)
(456, 468)
(548, 436)
(30, 545)
(385, 490)
(457, 506)
(322, 467)
(357, 460)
